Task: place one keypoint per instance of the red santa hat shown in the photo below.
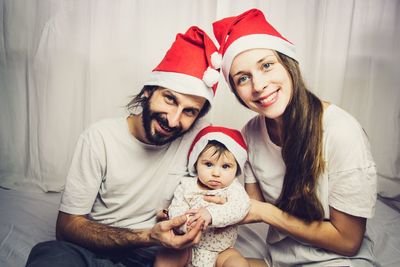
(247, 31)
(189, 66)
(231, 138)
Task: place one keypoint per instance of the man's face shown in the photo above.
(168, 114)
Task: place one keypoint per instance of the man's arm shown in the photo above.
(80, 230)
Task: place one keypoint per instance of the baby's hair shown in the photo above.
(219, 150)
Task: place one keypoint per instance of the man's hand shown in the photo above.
(163, 233)
(198, 214)
(162, 215)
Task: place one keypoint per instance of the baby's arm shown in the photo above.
(233, 210)
(178, 206)
(220, 215)
(195, 214)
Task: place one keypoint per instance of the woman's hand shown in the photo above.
(215, 199)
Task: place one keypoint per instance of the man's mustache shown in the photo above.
(164, 123)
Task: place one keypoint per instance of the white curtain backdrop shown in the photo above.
(65, 64)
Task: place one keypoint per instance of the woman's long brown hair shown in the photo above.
(301, 148)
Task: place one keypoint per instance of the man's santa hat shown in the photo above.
(189, 66)
(231, 138)
(248, 31)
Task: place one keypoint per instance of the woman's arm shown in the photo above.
(343, 234)
(254, 191)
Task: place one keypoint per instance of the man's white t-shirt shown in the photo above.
(118, 180)
(348, 183)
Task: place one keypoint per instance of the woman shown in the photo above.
(311, 175)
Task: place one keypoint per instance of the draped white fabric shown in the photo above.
(66, 64)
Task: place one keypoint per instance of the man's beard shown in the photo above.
(157, 138)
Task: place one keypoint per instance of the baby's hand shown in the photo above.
(195, 214)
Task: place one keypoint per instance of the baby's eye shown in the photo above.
(208, 164)
(226, 166)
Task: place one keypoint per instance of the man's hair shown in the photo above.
(301, 147)
(138, 100)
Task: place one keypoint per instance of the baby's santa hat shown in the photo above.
(231, 138)
(246, 31)
(189, 66)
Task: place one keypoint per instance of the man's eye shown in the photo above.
(169, 99)
(190, 112)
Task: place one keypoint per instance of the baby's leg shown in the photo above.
(168, 257)
(231, 258)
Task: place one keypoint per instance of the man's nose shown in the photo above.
(174, 118)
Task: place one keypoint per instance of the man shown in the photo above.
(124, 169)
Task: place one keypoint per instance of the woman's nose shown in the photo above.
(259, 82)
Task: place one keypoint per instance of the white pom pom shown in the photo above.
(216, 60)
(210, 76)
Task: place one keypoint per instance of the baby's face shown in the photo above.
(216, 170)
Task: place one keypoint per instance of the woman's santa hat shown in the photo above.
(189, 66)
(231, 138)
(248, 31)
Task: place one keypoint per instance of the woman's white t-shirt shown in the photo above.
(348, 183)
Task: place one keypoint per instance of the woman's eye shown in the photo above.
(266, 66)
(242, 79)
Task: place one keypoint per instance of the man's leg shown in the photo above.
(60, 253)
(140, 257)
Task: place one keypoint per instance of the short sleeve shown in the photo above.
(351, 168)
(248, 174)
(83, 179)
(249, 177)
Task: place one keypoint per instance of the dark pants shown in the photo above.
(61, 253)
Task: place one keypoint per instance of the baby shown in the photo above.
(216, 158)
